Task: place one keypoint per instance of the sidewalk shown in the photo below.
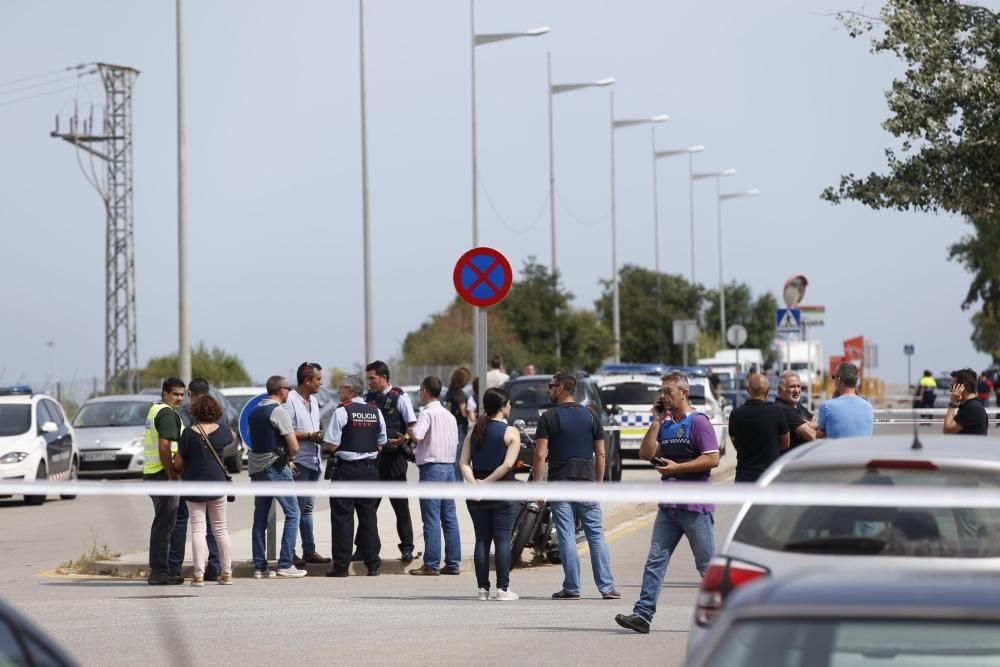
(135, 564)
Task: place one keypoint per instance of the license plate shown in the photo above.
(98, 456)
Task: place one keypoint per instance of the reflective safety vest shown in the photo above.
(151, 440)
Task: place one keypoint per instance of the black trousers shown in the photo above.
(160, 532)
(342, 512)
(392, 468)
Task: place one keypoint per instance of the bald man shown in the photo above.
(758, 431)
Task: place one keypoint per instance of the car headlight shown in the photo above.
(13, 457)
(136, 444)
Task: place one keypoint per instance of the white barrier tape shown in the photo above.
(847, 495)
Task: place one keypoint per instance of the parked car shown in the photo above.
(36, 440)
(870, 618)
(779, 540)
(24, 643)
(529, 398)
(232, 455)
(110, 431)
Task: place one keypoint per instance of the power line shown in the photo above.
(44, 84)
(590, 223)
(493, 206)
(79, 86)
(43, 74)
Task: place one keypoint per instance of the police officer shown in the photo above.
(397, 412)
(355, 436)
(163, 430)
(573, 437)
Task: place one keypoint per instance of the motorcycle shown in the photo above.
(534, 525)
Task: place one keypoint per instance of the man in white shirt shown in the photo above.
(436, 435)
(496, 376)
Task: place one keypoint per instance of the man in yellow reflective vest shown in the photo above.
(163, 430)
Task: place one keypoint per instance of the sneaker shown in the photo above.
(291, 571)
(613, 594)
(505, 594)
(483, 594)
(198, 581)
(633, 622)
(225, 580)
(563, 595)
(264, 574)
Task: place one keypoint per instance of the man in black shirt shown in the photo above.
(801, 422)
(758, 430)
(966, 414)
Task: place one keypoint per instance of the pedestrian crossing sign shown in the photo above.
(788, 320)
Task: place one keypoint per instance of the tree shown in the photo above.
(757, 315)
(647, 328)
(216, 365)
(986, 331)
(945, 111)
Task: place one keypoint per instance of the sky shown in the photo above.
(775, 89)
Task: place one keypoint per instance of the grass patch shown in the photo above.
(87, 562)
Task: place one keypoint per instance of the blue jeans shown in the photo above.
(671, 524)
(306, 504)
(262, 507)
(437, 515)
(494, 523)
(178, 544)
(564, 515)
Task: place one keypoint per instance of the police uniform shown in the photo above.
(358, 430)
(397, 413)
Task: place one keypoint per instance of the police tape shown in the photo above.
(843, 495)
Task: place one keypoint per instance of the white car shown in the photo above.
(110, 431)
(635, 394)
(36, 440)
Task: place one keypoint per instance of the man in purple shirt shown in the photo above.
(681, 444)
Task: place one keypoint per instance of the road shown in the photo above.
(389, 619)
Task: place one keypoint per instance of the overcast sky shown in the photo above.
(775, 89)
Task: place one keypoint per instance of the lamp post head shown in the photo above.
(695, 149)
(734, 195)
(537, 32)
(605, 82)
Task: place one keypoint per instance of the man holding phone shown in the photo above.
(681, 444)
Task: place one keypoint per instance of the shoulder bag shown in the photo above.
(215, 455)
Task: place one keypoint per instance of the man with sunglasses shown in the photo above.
(801, 422)
(573, 438)
(848, 415)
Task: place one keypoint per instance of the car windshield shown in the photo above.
(870, 641)
(15, 419)
(112, 413)
(239, 400)
(630, 393)
(954, 532)
(535, 393)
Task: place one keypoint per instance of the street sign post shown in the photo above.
(737, 336)
(788, 320)
(685, 332)
(482, 278)
(908, 351)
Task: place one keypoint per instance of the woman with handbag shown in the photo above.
(489, 455)
(199, 458)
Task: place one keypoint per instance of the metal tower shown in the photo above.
(114, 145)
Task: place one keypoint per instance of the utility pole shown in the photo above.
(113, 144)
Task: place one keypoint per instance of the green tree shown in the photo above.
(986, 331)
(945, 113)
(646, 326)
(216, 365)
(446, 339)
(757, 315)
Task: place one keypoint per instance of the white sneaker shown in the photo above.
(264, 574)
(505, 594)
(483, 594)
(291, 571)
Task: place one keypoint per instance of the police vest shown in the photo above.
(575, 439)
(264, 438)
(489, 453)
(675, 444)
(151, 441)
(360, 433)
(388, 404)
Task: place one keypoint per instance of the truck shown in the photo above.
(802, 356)
(724, 366)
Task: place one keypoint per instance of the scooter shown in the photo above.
(534, 525)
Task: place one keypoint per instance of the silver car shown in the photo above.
(775, 540)
(109, 430)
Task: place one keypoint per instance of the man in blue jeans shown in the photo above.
(573, 438)
(272, 448)
(681, 443)
(436, 435)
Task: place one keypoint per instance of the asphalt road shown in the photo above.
(389, 619)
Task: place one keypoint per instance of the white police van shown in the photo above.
(36, 440)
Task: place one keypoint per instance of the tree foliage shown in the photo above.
(216, 365)
(945, 112)
(446, 339)
(757, 315)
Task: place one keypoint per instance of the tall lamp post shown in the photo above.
(615, 303)
(717, 175)
(183, 340)
(721, 198)
(658, 155)
(556, 89)
(478, 316)
(365, 217)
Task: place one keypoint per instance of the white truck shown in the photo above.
(802, 356)
(724, 364)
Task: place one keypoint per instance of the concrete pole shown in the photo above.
(477, 362)
(615, 304)
(365, 215)
(183, 340)
(722, 285)
(552, 200)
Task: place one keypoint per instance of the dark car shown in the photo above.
(23, 643)
(872, 617)
(529, 398)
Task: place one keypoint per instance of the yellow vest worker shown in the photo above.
(155, 425)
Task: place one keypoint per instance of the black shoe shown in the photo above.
(407, 556)
(335, 573)
(374, 572)
(450, 570)
(563, 595)
(211, 575)
(158, 579)
(613, 594)
(633, 622)
(175, 579)
(356, 557)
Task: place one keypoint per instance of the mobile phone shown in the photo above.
(657, 462)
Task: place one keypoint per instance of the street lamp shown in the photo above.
(722, 293)
(717, 175)
(656, 228)
(366, 230)
(556, 89)
(479, 360)
(615, 303)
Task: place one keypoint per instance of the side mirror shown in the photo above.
(49, 427)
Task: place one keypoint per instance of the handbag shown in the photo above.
(215, 455)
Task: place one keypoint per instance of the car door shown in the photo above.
(61, 454)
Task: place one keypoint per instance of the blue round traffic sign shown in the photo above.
(483, 277)
(245, 415)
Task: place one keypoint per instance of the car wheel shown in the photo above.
(74, 473)
(41, 475)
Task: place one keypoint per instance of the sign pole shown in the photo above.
(685, 352)
(481, 315)
(737, 395)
